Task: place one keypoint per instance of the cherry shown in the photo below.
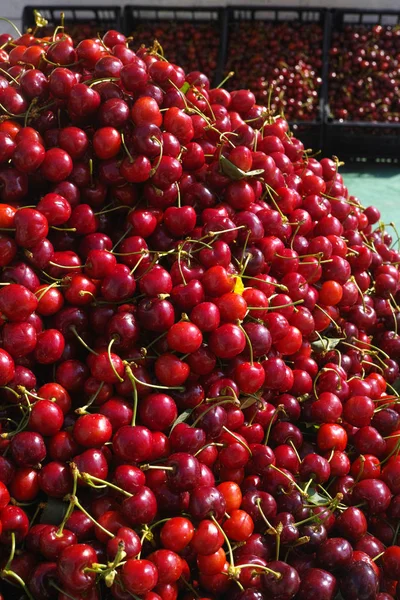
(374, 493)
(14, 521)
(71, 567)
(335, 554)
(206, 501)
(55, 479)
(158, 412)
(46, 418)
(133, 443)
(177, 533)
(360, 579)
(92, 430)
(92, 462)
(141, 507)
(7, 370)
(139, 576)
(286, 586)
(320, 583)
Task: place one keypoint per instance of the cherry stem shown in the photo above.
(396, 533)
(262, 567)
(117, 243)
(40, 507)
(8, 74)
(125, 147)
(12, 552)
(8, 389)
(12, 25)
(24, 391)
(215, 233)
(90, 478)
(232, 562)
(156, 387)
(290, 479)
(279, 530)
(279, 408)
(394, 451)
(78, 505)
(239, 324)
(82, 341)
(394, 315)
(276, 307)
(113, 209)
(226, 401)
(20, 581)
(292, 444)
(55, 586)
(117, 375)
(146, 467)
(271, 527)
(189, 586)
(157, 141)
(83, 409)
(70, 508)
(377, 557)
(230, 74)
(132, 379)
(309, 482)
(180, 265)
(207, 446)
(237, 438)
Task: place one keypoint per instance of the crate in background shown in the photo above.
(79, 21)
(274, 27)
(192, 37)
(346, 135)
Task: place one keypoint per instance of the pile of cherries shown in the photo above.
(286, 55)
(192, 44)
(364, 77)
(198, 343)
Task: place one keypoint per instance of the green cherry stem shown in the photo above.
(66, 594)
(239, 324)
(231, 559)
(117, 375)
(12, 552)
(91, 478)
(132, 379)
(237, 438)
(70, 508)
(82, 341)
(83, 409)
(155, 387)
(78, 505)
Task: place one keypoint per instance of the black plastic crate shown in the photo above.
(183, 33)
(274, 27)
(357, 141)
(79, 21)
(350, 136)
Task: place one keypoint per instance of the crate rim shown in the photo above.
(213, 8)
(288, 8)
(27, 13)
(231, 8)
(77, 7)
(367, 11)
(362, 124)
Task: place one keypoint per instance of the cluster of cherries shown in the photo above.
(364, 76)
(286, 55)
(198, 341)
(193, 44)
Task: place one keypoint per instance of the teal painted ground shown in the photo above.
(376, 184)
